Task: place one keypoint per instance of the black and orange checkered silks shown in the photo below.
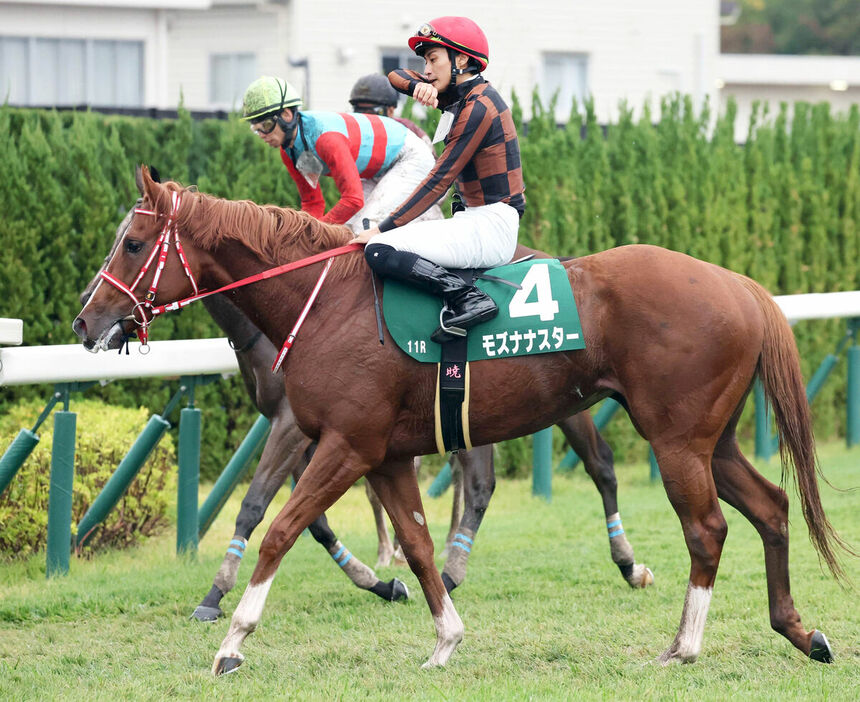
(481, 153)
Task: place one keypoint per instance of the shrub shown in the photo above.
(104, 435)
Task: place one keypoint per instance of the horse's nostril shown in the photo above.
(79, 326)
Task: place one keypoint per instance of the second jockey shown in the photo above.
(375, 161)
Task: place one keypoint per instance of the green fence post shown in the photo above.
(441, 482)
(763, 438)
(655, 468)
(25, 442)
(852, 429)
(235, 469)
(189, 477)
(816, 382)
(118, 483)
(542, 464)
(60, 496)
(15, 456)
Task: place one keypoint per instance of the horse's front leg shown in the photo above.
(333, 469)
(397, 487)
(282, 454)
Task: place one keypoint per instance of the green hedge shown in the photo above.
(104, 436)
(783, 208)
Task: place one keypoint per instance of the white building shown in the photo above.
(146, 53)
(773, 79)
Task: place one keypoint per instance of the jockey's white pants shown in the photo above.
(477, 237)
(386, 193)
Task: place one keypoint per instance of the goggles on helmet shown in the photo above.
(264, 126)
(427, 31)
(368, 109)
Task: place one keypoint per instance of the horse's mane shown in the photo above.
(275, 234)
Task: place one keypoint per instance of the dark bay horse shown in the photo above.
(677, 340)
(288, 451)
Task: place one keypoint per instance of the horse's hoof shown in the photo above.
(206, 614)
(639, 577)
(399, 591)
(647, 578)
(820, 650)
(228, 664)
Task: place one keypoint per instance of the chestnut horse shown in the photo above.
(677, 340)
(288, 451)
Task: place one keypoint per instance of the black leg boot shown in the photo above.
(466, 304)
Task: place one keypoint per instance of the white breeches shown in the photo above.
(477, 237)
(385, 194)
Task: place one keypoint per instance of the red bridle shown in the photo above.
(163, 245)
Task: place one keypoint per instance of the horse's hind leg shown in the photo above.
(583, 437)
(479, 482)
(385, 549)
(332, 470)
(397, 487)
(690, 486)
(766, 507)
(284, 452)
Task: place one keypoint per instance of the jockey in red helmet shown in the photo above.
(481, 159)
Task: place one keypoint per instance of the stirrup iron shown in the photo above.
(453, 331)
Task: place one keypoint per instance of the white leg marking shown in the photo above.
(244, 621)
(688, 642)
(449, 632)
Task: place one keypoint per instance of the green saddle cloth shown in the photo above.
(540, 318)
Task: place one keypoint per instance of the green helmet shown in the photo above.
(268, 94)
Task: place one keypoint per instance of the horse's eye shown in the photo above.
(132, 246)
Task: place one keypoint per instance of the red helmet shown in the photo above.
(457, 33)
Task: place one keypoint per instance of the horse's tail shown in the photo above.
(779, 371)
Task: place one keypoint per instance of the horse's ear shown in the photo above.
(153, 172)
(145, 181)
(138, 178)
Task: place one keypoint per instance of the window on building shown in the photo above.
(404, 58)
(44, 71)
(229, 76)
(397, 58)
(14, 70)
(567, 75)
(118, 73)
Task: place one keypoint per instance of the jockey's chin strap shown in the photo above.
(146, 305)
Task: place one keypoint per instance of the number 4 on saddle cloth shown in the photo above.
(539, 317)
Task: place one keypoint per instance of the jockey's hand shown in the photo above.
(364, 236)
(426, 94)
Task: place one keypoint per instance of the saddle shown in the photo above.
(537, 314)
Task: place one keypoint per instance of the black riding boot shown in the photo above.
(466, 304)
